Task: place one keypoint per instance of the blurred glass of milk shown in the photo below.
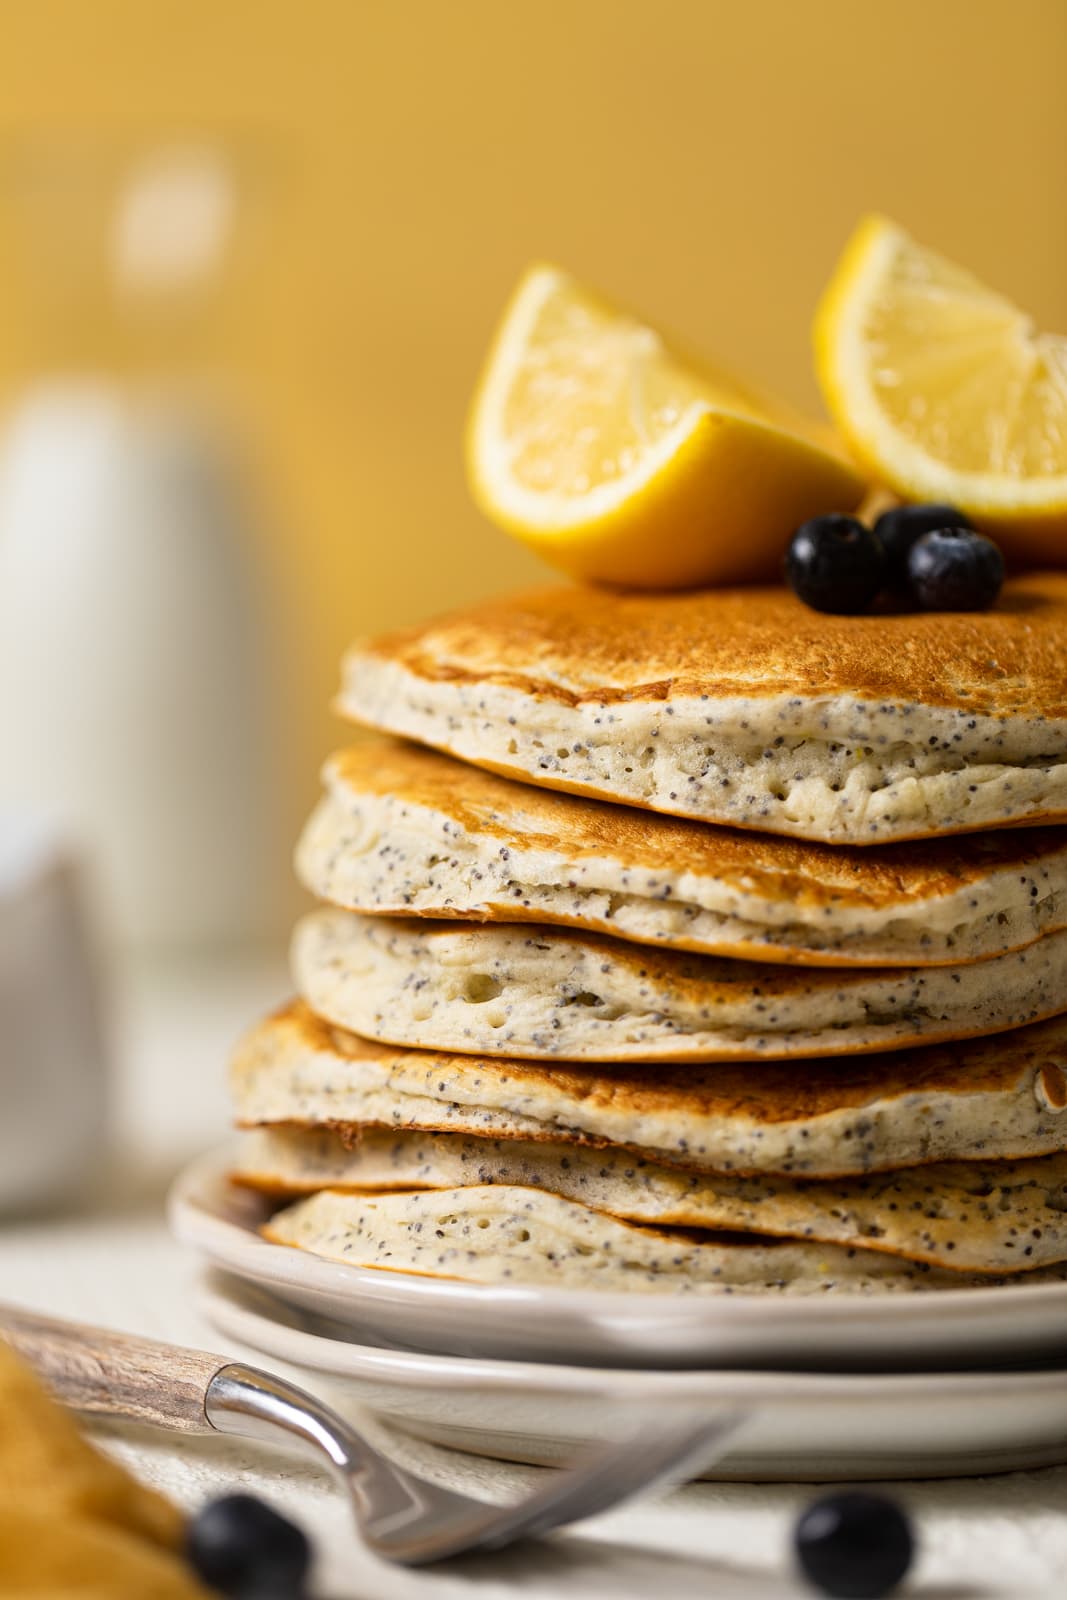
(137, 649)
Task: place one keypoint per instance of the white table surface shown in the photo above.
(114, 1264)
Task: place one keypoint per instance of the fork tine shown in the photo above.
(638, 1464)
(643, 1460)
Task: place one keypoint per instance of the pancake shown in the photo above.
(405, 831)
(979, 1216)
(745, 707)
(511, 1235)
(996, 1098)
(558, 994)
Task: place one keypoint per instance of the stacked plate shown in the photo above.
(768, 1074)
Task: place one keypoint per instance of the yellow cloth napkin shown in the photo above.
(73, 1524)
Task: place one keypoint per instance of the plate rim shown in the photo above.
(351, 1358)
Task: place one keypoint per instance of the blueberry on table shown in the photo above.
(899, 529)
(955, 569)
(857, 1546)
(835, 564)
(240, 1546)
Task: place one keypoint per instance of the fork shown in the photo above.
(402, 1517)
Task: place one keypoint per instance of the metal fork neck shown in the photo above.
(256, 1405)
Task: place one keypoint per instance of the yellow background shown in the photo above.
(699, 159)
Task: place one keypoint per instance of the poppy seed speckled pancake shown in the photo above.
(404, 831)
(560, 994)
(988, 1099)
(745, 707)
(515, 1235)
(967, 1216)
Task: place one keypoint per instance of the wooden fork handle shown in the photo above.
(97, 1372)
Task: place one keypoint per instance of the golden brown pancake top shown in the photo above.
(573, 644)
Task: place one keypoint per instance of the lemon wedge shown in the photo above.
(621, 463)
(944, 389)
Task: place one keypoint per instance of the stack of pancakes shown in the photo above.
(730, 954)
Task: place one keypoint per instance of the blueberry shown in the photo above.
(835, 563)
(898, 530)
(855, 1545)
(954, 569)
(240, 1546)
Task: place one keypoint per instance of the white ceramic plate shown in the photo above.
(811, 1426)
(952, 1328)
